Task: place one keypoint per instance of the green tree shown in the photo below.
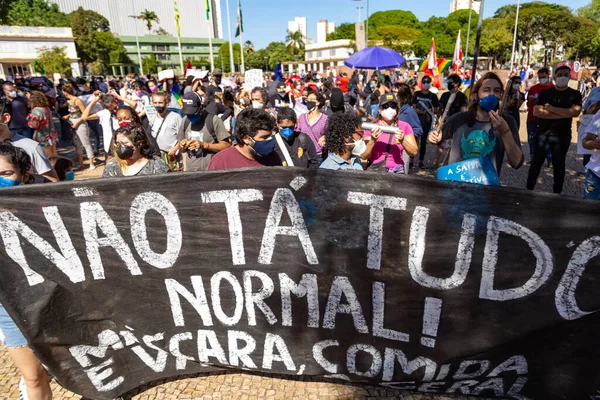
(161, 31)
(150, 64)
(86, 25)
(222, 57)
(55, 60)
(393, 17)
(111, 50)
(4, 8)
(150, 17)
(35, 13)
(346, 30)
(399, 38)
(581, 41)
(496, 38)
(445, 30)
(591, 11)
(295, 43)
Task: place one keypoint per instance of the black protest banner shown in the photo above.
(409, 283)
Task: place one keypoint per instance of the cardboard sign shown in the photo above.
(151, 113)
(476, 170)
(166, 74)
(253, 78)
(196, 73)
(374, 279)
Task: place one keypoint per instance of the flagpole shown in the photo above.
(178, 35)
(477, 40)
(212, 32)
(230, 42)
(469, 30)
(241, 28)
(512, 57)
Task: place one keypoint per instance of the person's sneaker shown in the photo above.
(92, 166)
(23, 390)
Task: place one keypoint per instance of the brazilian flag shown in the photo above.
(39, 68)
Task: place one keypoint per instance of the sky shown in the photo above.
(265, 21)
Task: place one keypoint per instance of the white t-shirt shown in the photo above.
(39, 160)
(594, 129)
(169, 126)
(106, 120)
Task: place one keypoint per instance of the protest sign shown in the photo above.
(414, 284)
(196, 73)
(478, 170)
(166, 74)
(253, 78)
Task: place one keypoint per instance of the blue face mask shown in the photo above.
(489, 103)
(286, 132)
(264, 147)
(194, 118)
(70, 175)
(5, 182)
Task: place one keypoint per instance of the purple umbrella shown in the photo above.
(375, 58)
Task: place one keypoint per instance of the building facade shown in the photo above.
(324, 28)
(167, 51)
(319, 56)
(456, 5)
(192, 14)
(19, 46)
(298, 24)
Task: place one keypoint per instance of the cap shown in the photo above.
(217, 72)
(387, 98)
(192, 103)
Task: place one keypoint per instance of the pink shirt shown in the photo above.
(314, 131)
(394, 158)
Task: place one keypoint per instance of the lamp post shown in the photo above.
(468, 30)
(137, 38)
(512, 56)
(359, 8)
(367, 27)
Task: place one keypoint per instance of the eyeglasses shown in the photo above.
(390, 105)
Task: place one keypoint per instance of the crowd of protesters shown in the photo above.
(137, 125)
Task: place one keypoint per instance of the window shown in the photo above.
(161, 47)
(319, 54)
(129, 47)
(189, 47)
(163, 57)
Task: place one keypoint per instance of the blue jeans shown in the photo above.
(374, 110)
(27, 132)
(591, 187)
(10, 335)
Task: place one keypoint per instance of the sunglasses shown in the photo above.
(389, 105)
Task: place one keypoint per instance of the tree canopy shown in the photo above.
(54, 60)
(34, 13)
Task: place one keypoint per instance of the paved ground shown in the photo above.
(252, 387)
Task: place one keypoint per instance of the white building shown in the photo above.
(324, 28)
(319, 56)
(456, 5)
(192, 16)
(298, 24)
(19, 47)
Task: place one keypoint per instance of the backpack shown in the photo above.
(208, 122)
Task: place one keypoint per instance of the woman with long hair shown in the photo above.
(132, 154)
(481, 131)
(516, 98)
(407, 113)
(314, 123)
(81, 139)
(40, 120)
(385, 150)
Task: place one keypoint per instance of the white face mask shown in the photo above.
(388, 114)
(562, 81)
(12, 94)
(257, 104)
(543, 81)
(516, 86)
(359, 147)
(426, 86)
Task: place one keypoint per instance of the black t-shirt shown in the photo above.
(430, 100)
(212, 90)
(560, 99)
(459, 102)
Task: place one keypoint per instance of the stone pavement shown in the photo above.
(253, 387)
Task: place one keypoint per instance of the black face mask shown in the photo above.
(310, 105)
(450, 85)
(160, 109)
(218, 80)
(125, 152)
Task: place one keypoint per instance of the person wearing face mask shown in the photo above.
(407, 113)
(18, 124)
(427, 106)
(15, 165)
(126, 115)
(131, 154)
(201, 134)
(516, 98)
(64, 168)
(344, 143)
(314, 123)
(481, 131)
(215, 80)
(107, 105)
(544, 83)
(555, 109)
(254, 143)
(385, 150)
(295, 149)
(165, 128)
(152, 87)
(81, 139)
(459, 104)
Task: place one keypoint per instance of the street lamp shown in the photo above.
(512, 56)
(359, 8)
(137, 38)
(367, 27)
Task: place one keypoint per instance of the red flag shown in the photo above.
(432, 59)
(187, 66)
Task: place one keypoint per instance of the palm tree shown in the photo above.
(149, 17)
(294, 40)
(248, 47)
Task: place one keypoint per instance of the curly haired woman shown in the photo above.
(40, 120)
